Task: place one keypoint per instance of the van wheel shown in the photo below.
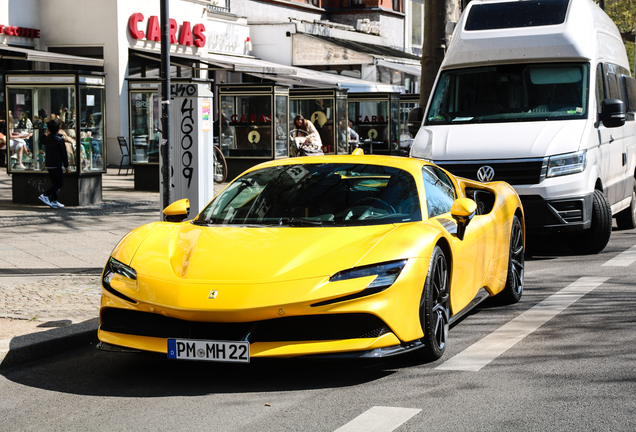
(627, 218)
(435, 308)
(594, 240)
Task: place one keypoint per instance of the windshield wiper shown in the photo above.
(299, 222)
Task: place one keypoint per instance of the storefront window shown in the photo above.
(320, 112)
(92, 129)
(371, 122)
(246, 126)
(342, 127)
(145, 121)
(282, 133)
(29, 108)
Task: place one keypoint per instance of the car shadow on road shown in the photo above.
(88, 371)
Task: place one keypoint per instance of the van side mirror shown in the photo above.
(177, 211)
(414, 120)
(463, 210)
(613, 113)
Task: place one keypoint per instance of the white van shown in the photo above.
(538, 93)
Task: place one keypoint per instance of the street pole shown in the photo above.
(166, 153)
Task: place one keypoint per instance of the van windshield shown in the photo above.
(506, 93)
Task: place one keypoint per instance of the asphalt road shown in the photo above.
(562, 359)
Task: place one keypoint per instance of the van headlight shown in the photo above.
(565, 164)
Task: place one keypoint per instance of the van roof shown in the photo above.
(526, 31)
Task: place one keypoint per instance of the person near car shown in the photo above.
(56, 161)
(313, 141)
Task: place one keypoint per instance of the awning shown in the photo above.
(248, 65)
(409, 69)
(227, 62)
(284, 74)
(49, 57)
(314, 78)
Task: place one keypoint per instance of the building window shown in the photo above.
(356, 3)
(417, 23)
(396, 5)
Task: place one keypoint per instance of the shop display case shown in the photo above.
(375, 118)
(253, 124)
(408, 101)
(327, 110)
(76, 100)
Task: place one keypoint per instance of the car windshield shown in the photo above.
(505, 93)
(309, 195)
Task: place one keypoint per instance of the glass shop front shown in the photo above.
(253, 124)
(77, 102)
(375, 118)
(327, 110)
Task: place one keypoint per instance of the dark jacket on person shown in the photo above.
(55, 151)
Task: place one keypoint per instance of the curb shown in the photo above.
(34, 346)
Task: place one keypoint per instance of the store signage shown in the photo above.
(191, 36)
(374, 119)
(251, 118)
(20, 31)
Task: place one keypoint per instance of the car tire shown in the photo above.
(514, 280)
(594, 239)
(435, 307)
(626, 219)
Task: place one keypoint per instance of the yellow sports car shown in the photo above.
(328, 256)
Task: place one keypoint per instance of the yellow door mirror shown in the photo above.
(177, 211)
(463, 210)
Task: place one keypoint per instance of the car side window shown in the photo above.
(439, 189)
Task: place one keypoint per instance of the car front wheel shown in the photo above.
(514, 281)
(434, 307)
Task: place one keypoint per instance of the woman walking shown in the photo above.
(55, 159)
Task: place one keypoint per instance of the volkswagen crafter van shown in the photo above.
(538, 93)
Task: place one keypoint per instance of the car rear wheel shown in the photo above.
(514, 281)
(434, 307)
(627, 218)
(594, 240)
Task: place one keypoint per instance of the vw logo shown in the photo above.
(485, 173)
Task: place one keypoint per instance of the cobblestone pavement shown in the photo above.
(71, 298)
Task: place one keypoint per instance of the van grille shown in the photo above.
(514, 172)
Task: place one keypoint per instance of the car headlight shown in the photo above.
(116, 267)
(385, 274)
(565, 164)
(113, 266)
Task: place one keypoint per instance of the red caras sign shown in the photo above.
(20, 31)
(187, 36)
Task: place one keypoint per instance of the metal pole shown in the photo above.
(166, 153)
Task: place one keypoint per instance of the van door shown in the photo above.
(612, 141)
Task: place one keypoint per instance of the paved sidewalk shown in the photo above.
(50, 263)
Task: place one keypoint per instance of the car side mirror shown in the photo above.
(414, 120)
(613, 113)
(463, 210)
(177, 211)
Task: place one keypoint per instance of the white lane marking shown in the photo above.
(379, 419)
(623, 259)
(486, 350)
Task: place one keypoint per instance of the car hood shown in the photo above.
(224, 254)
(504, 140)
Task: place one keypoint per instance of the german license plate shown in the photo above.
(219, 351)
